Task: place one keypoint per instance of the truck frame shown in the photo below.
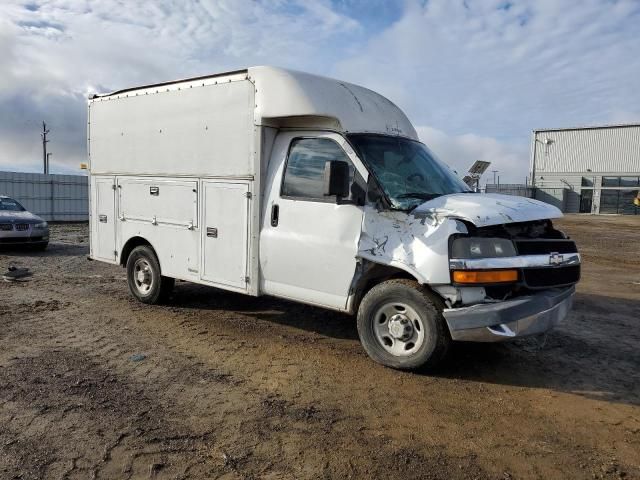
(267, 181)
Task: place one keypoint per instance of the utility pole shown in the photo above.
(45, 157)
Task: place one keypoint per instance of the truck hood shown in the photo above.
(483, 209)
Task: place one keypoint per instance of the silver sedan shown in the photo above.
(20, 227)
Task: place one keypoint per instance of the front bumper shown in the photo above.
(31, 236)
(522, 316)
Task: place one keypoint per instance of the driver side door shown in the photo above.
(309, 241)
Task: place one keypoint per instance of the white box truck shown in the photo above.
(267, 181)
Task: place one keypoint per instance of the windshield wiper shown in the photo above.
(420, 195)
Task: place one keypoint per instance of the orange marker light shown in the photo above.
(485, 276)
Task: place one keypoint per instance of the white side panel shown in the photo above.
(103, 219)
(199, 131)
(310, 254)
(225, 233)
(163, 201)
(168, 220)
(177, 247)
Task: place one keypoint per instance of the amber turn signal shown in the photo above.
(485, 276)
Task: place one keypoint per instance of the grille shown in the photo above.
(543, 247)
(22, 227)
(6, 227)
(551, 276)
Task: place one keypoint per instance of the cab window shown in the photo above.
(304, 172)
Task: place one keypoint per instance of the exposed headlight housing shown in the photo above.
(40, 226)
(478, 247)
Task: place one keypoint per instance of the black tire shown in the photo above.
(153, 288)
(396, 294)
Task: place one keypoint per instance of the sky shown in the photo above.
(475, 77)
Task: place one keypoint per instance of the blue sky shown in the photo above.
(474, 76)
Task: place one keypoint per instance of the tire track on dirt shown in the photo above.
(242, 387)
(265, 421)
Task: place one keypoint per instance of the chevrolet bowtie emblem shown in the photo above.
(555, 258)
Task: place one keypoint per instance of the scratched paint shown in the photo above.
(418, 242)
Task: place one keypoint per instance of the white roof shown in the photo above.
(288, 93)
(282, 93)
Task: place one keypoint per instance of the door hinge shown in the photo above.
(249, 195)
(115, 253)
(247, 280)
(113, 187)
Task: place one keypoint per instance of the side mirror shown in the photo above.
(336, 179)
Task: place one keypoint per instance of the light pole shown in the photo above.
(45, 158)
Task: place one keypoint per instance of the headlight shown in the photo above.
(474, 247)
(40, 226)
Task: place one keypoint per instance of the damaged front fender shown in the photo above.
(416, 243)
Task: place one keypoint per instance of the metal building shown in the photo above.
(53, 197)
(593, 169)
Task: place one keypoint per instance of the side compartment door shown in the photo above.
(225, 233)
(104, 219)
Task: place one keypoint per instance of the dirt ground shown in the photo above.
(219, 385)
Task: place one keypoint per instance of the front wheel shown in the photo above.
(145, 280)
(401, 325)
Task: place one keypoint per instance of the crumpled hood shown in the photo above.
(483, 209)
(19, 217)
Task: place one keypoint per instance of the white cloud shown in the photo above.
(501, 69)
(460, 151)
(54, 53)
(486, 72)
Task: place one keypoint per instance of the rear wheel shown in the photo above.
(146, 282)
(401, 326)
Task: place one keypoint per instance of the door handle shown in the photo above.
(102, 218)
(275, 215)
(212, 232)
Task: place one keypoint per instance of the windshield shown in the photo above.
(406, 170)
(10, 205)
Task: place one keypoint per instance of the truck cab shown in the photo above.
(318, 191)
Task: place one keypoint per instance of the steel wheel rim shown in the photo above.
(143, 276)
(398, 329)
